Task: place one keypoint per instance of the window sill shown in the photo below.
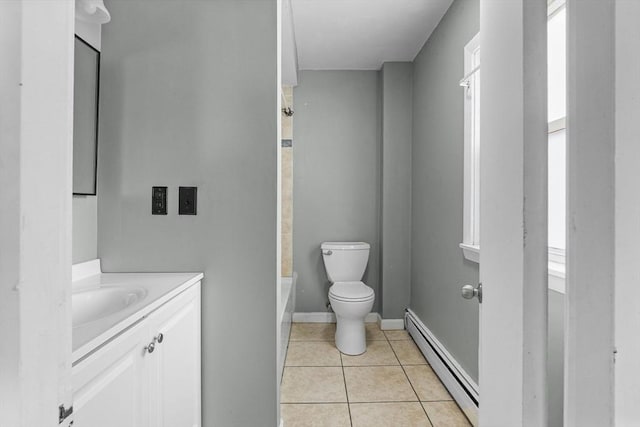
(471, 252)
(557, 269)
(557, 276)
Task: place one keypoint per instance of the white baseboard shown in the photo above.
(390, 324)
(463, 389)
(320, 317)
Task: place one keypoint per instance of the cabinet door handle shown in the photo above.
(150, 347)
(159, 338)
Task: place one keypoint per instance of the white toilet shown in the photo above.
(350, 299)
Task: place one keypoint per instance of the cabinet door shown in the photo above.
(110, 385)
(175, 365)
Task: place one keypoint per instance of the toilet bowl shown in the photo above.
(351, 302)
(351, 299)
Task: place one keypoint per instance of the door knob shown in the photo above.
(469, 292)
(150, 347)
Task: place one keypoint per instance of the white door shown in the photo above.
(513, 213)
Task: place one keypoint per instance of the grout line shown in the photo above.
(346, 366)
(427, 414)
(413, 388)
(359, 366)
(312, 366)
(346, 392)
(367, 402)
(314, 403)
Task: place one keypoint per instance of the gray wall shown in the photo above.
(336, 175)
(438, 268)
(189, 92)
(395, 220)
(85, 228)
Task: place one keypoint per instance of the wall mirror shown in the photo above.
(85, 118)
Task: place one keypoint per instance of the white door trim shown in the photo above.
(589, 345)
(36, 106)
(278, 257)
(627, 269)
(513, 213)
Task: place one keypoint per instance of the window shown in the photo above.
(557, 111)
(556, 63)
(471, 82)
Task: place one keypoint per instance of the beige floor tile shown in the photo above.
(408, 353)
(402, 414)
(313, 353)
(426, 383)
(373, 332)
(311, 385)
(397, 335)
(445, 414)
(315, 415)
(378, 353)
(313, 332)
(378, 384)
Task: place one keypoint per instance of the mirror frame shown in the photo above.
(97, 115)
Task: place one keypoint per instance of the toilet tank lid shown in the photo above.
(345, 246)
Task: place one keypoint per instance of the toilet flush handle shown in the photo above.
(327, 252)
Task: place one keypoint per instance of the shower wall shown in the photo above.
(287, 186)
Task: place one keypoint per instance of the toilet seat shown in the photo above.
(351, 292)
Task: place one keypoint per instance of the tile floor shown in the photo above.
(391, 385)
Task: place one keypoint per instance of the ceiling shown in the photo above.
(360, 34)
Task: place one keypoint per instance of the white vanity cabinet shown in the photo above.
(148, 375)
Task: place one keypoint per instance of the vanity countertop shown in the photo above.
(159, 287)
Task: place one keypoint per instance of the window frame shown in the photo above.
(557, 256)
(471, 204)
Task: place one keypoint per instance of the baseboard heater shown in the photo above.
(462, 388)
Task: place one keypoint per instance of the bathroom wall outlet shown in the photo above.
(187, 200)
(159, 201)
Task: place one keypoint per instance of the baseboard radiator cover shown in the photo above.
(462, 388)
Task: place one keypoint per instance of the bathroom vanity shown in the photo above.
(136, 350)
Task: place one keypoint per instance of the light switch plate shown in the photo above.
(187, 200)
(158, 200)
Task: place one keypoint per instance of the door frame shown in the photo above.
(36, 131)
(627, 212)
(589, 303)
(602, 221)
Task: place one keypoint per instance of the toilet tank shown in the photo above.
(345, 261)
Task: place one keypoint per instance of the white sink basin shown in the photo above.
(94, 304)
